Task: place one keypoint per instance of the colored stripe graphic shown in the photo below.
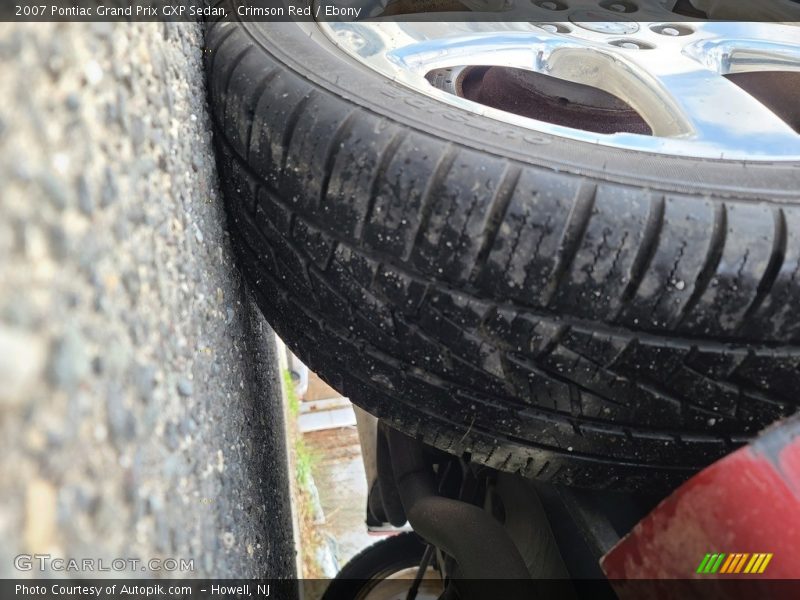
(754, 560)
(703, 563)
(757, 564)
(740, 564)
(710, 563)
(717, 563)
(764, 564)
(727, 566)
(737, 563)
(732, 564)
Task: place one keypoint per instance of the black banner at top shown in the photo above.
(536, 11)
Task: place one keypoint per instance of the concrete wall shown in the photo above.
(139, 411)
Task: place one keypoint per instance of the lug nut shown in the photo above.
(673, 30)
(552, 27)
(631, 44)
(551, 5)
(619, 6)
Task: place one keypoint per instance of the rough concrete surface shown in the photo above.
(139, 410)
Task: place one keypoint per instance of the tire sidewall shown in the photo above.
(375, 563)
(305, 49)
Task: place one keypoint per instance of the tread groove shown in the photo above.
(234, 65)
(385, 160)
(647, 251)
(258, 93)
(443, 166)
(716, 247)
(216, 48)
(497, 212)
(776, 260)
(342, 131)
(572, 239)
(291, 125)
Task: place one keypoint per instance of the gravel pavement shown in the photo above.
(139, 395)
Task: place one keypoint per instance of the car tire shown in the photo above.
(374, 565)
(582, 315)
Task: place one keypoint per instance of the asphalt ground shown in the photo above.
(140, 412)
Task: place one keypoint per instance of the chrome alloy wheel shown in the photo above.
(678, 74)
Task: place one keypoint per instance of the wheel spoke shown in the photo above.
(523, 50)
(741, 56)
(679, 97)
(423, 46)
